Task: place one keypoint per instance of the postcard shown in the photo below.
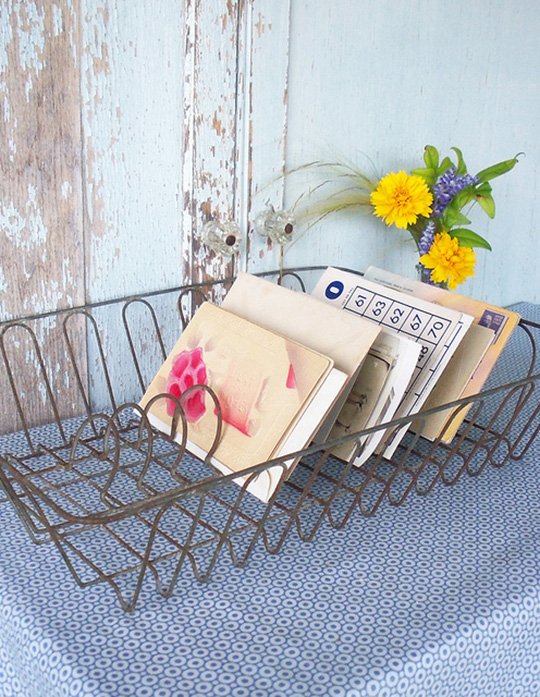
(263, 382)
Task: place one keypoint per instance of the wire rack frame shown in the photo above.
(122, 501)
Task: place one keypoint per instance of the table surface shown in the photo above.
(438, 597)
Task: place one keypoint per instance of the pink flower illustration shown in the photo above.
(188, 369)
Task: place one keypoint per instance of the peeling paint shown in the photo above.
(261, 26)
(31, 35)
(68, 280)
(212, 115)
(50, 293)
(3, 281)
(100, 61)
(67, 189)
(58, 22)
(40, 202)
(216, 124)
(25, 231)
(6, 34)
(6, 108)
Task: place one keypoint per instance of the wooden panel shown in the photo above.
(373, 80)
(235, 107)
(40, 206)
(131, 82)
(267, 119)
(40, 201)
(131, 85)
(213, 95)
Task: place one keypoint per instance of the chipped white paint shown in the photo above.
(190, 109)
(41, 135)
(268, 71)
(30, 35)
(12, 149)
(28, 87)
(26, 230)
(67, 189)
(58, 22)
(12, 222)
(235, 125)
(40, 149)
(6, 36)
(131, 88)
(6, 107)
(213, 92)
(68, 278)
(50, 294)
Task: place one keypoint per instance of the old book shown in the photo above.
(344, 338)
(376, 395)
(469, 369)
(273, 393)
(437, 329)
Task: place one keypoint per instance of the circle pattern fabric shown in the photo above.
(438, 598)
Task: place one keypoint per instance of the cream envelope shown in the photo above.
(344, 338)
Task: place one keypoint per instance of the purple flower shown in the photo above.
(426, 240)
(448, 185)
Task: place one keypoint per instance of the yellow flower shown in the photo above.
(450, 262)
(400, 198)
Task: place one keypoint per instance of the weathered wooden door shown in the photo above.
(126, 124)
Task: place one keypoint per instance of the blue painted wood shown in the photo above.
(381, 80)
(131, 84)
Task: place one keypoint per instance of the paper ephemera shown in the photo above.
(469, 369)
(272, 392)
(437, 329)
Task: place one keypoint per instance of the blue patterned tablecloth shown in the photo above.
(440, 597)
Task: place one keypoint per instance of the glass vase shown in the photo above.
(424, 274)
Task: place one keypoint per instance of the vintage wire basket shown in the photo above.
(122, 502)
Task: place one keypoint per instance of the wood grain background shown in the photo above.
(126, 124)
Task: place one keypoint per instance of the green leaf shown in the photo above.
(453, 216)
(445, 164)
(483, 189)
(498, 169)
(431, 157)
(464, 197)
(468, 238)
(487, 204)
(427, 173)
(461, 166)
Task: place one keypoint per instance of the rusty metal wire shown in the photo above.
(123, 502)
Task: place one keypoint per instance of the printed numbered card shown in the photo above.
(439, 330)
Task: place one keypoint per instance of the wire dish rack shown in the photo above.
(121, 502)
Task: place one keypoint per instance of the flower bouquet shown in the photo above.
(428, 202)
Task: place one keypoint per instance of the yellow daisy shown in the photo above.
(448, 260)
(399, 198)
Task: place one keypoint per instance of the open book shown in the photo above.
(273, 394)
(345, 338)
(437, 329)
(472, 362)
